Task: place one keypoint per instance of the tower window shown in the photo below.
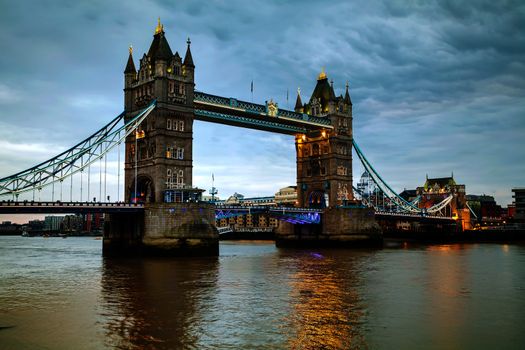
(168, 124)
(180, 153)
(315, 149)
(169, 152)
(181, 125)
(180, 177)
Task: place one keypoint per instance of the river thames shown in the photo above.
(61, 294)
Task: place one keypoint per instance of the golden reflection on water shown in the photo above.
(326, 311)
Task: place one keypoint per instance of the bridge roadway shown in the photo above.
(412, 217)
(33, 207)
(58, 207)
(297, 215)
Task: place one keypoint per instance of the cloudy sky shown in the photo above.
(437, 86)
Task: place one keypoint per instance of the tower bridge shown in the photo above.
(161, 212)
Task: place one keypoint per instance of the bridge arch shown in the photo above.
(316, 199)
(145, 190)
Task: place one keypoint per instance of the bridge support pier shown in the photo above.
(340, 227)
(164, 229)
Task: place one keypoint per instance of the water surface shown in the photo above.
(61, 294)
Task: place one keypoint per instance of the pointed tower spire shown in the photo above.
(332, 92)
(348, 101)
(130, 66)
(299, 103)
(188, 60)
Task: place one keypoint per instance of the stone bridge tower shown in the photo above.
(324, 178)
(324, 158)
(159, 156)
(158, 162)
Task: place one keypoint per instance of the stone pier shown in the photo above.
(340, 227)
(164, 229)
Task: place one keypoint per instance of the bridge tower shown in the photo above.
(159, 156)
(158, 161)
(324, 158)
(324, 177)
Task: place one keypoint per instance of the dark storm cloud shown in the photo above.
(437, 86)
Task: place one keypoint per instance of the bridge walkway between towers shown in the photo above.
(269, 117)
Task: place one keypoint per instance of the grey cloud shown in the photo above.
(420, 72)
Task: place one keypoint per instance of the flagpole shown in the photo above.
(251, 89)
(136, 169)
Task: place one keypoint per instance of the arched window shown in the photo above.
(181, 125)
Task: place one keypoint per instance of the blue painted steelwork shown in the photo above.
(273, 126)
(255, 108)
(394, 198)
(292, 215)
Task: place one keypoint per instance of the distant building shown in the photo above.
(210, 199)
(408, 195)
(234, 199)
(484, 207)
(435, 190)
(93, 222)
(519, 202)
(286, 197)
(53, 223)
(35, 225)
(238, 199)
(366, 185)
(8, 228)
(73, 223)
(511, 210)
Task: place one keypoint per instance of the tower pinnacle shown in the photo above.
(322, 75)
(188, 60)
(130, 66)
(160, 28)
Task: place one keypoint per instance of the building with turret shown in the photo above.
(324, 158)
(161, 150)
(436, 190)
